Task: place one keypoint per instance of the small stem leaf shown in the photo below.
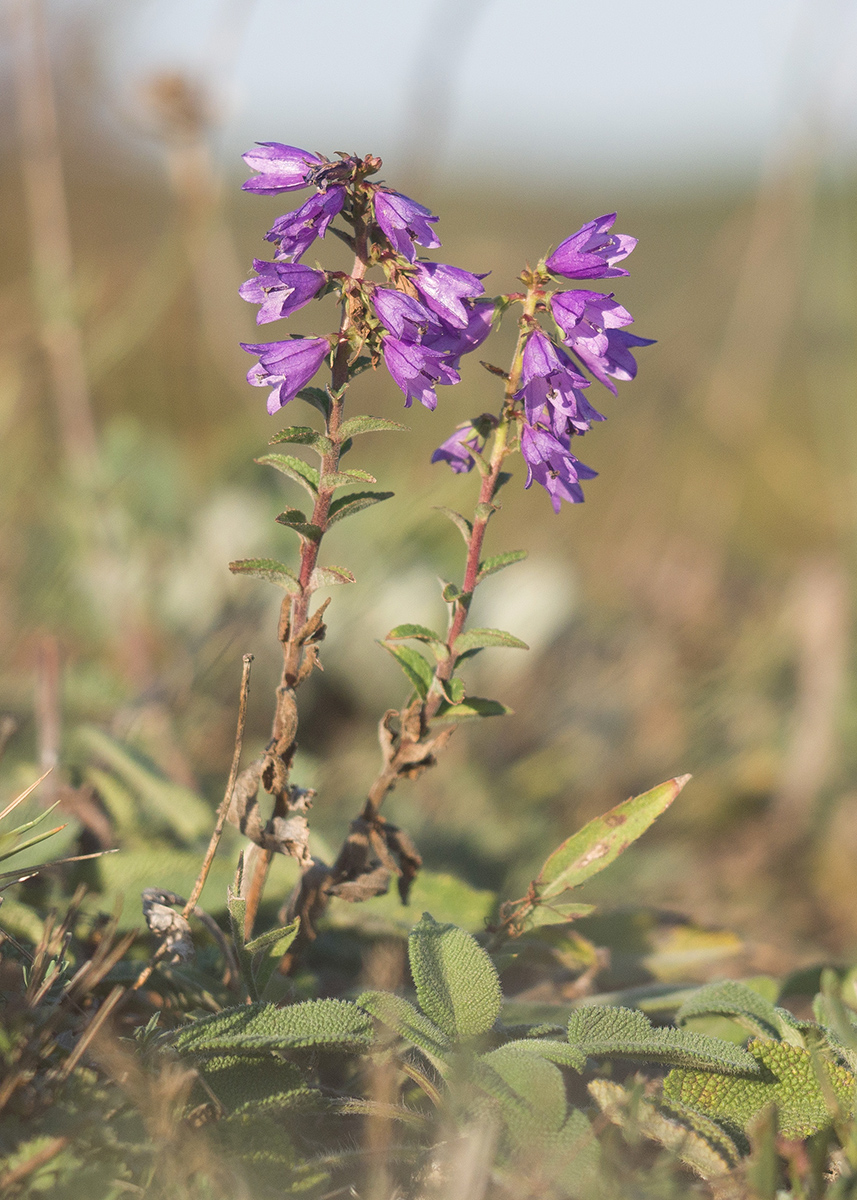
(476, 639)
(498, 561)
(293, 518)
(502, 479)
(484, 511)
(473, 706)
(602, 841)
(318, 398)
(269, 569)
(274, 937)
(418, 670)
(482, 466)
(451, 592)
(329, 577)
(455, 689)
(420, 633)
(338, 479)
(457, 984)
(303, 435)
(295, 468)
(347, 506)
(267, 950)
(355, 425)
(460, 522)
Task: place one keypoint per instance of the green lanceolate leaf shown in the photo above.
(318, 398)
(355, 425)
(457, 985)
(497, 562)
(461, 523)
(270, 570)
(295, 468)
(477, 639)
(262, 1028)
(562, 1053)
(303, 435)
(602, 841)
(338, 479)
(266, 952)
(293, 518)
(745, 1007)
(556, 913)
(420, 633)
(409, 1023)
(346, 506)
(473, 706)
(804, 1085)
(329, 577)
(418, 669)
(602, 1031)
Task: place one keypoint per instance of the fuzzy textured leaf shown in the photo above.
(261, 1028)
(420, 633)
(602, 1031)
(418, 669)
(293, 518)
(294, 468)
(408, 1022)
(364, 424)
(473, 706)
(303, 435)
(270, 570)
(497, 562)
(329, 577)
(461, 523)
(562, 1053)
(457, 985)
(796, 1080)
(743, 1005)
(477, 639)
(318, 398)
(347, 506)
(601, 842)
(529, 1090)
(338, 479)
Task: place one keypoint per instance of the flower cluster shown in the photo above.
(421, 324)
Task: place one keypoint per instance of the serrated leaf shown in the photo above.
(473, 706)
(457, 985)
(266, 952)
(329, 577)
(409, 1023)
(743, 1005)
(602, 1031)
(274, 937)
(346, 506)
(418, 669)
(269, 570)
(293, 518)
(461, 523)
(303, 435)
(798, 1081)
(338, 479)
(420, 633)
(497, 562)
(295, 468)
(602, 841)
(364, 424)
(255, 1029)
(478, 639)
(318, 398)
(561, 1053)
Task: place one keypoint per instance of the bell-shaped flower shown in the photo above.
(616, 359)
(281, 168)
(456, 342)
(591, 252)
(405, 317)
(417, 370)
(551, 388)
(403, 222)
(444, 289)
(551, 464)
(472, 434)
(285, 367)
(280, 288)
(584, 316)
(296, 231)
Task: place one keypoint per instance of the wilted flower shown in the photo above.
(286, 366)
(404, 222)
(591, 252)
(444, 288)
(296, 231)
(417, 370)
(281, 168)
(454, 450)
(551, 388)
(280, 288)
(404, 316)
(616, 359)
(551, 463)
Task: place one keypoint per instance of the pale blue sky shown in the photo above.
(528, 87)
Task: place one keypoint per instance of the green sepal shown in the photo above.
(329, 577)
(420, 633)
(364, 424)
(303, 435)
(269, 570)
(293, 518)
(418, 669)
(473, 706)
(347, 506)
(461, 523)
(295, 468)
(498, 561)
(476, 639)
(318, 398)
(338, 479)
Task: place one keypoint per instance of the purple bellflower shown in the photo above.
(285, 367)
(281, 168)
(417, 370)
(280, 288)
(444, 289)
(455, 342)
(616, 359)
(584, 316)
(551, 463)
(551, 388)
(295, 232)
(472, 434)
(591, 252)
(405, 317)
(403, 222)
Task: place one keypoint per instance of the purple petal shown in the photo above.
(591, 252)
(281, 168)
(285, 366)
(404, 222)
(444, 289)
(280, 288)
(417, 370)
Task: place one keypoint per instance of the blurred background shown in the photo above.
(694, 615)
